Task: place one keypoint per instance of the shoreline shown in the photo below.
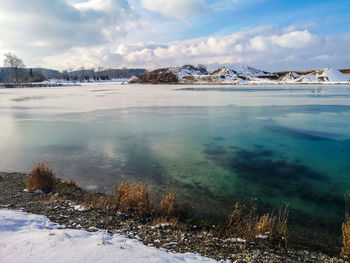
(79, 84)
(183, 238)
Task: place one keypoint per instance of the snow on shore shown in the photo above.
(27, 237)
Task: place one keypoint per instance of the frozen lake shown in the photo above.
(212, 145)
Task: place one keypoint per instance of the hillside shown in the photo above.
(240, 74)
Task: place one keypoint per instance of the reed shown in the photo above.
(134, 199)
(41, 178)
(345, 252)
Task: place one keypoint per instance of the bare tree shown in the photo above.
(16, 67)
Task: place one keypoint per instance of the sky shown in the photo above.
(266, 34)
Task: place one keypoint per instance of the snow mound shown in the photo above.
(324, 75)
(32, 238)
(334, 75)
(309, 78)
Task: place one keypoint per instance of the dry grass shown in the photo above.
(41, 178)
(55, 197)
(244, 222)
(105, 203)
(70, 182)
(346, 228)
(346, 237)
(168, 206)
(134, 199)
(274, 226)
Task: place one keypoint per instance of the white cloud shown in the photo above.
(34, 29)
(114, 33)
(267, 47)
(296, 39)
(175, 8)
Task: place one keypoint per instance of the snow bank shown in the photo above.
(32, 238)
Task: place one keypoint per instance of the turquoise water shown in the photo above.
(295, 150)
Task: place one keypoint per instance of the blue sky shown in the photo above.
(268, 34)
(331, 16)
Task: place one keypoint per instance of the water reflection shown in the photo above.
(209, 155)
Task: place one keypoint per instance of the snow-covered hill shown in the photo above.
(246, 71)
(188, 70)
(239, 74)
(327, 75)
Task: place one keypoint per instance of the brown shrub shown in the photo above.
(274, 227)
(41, 178)
(346, 237)
(168, 206)
(243, 222)
(346, 228)
(134, 199)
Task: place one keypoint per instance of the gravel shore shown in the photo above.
(184, 238)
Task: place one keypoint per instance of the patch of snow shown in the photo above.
(309, 78)
(236, 240)
(133, 79)
(171, 244)
(261, 236)
(26, 237)
(80, 208)
(92, 229)
(38, 191)
(160, 225)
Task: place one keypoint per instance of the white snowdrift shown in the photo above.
(327, 75)
(335, 75)
(26, 237)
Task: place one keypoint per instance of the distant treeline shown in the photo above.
(82, 75)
